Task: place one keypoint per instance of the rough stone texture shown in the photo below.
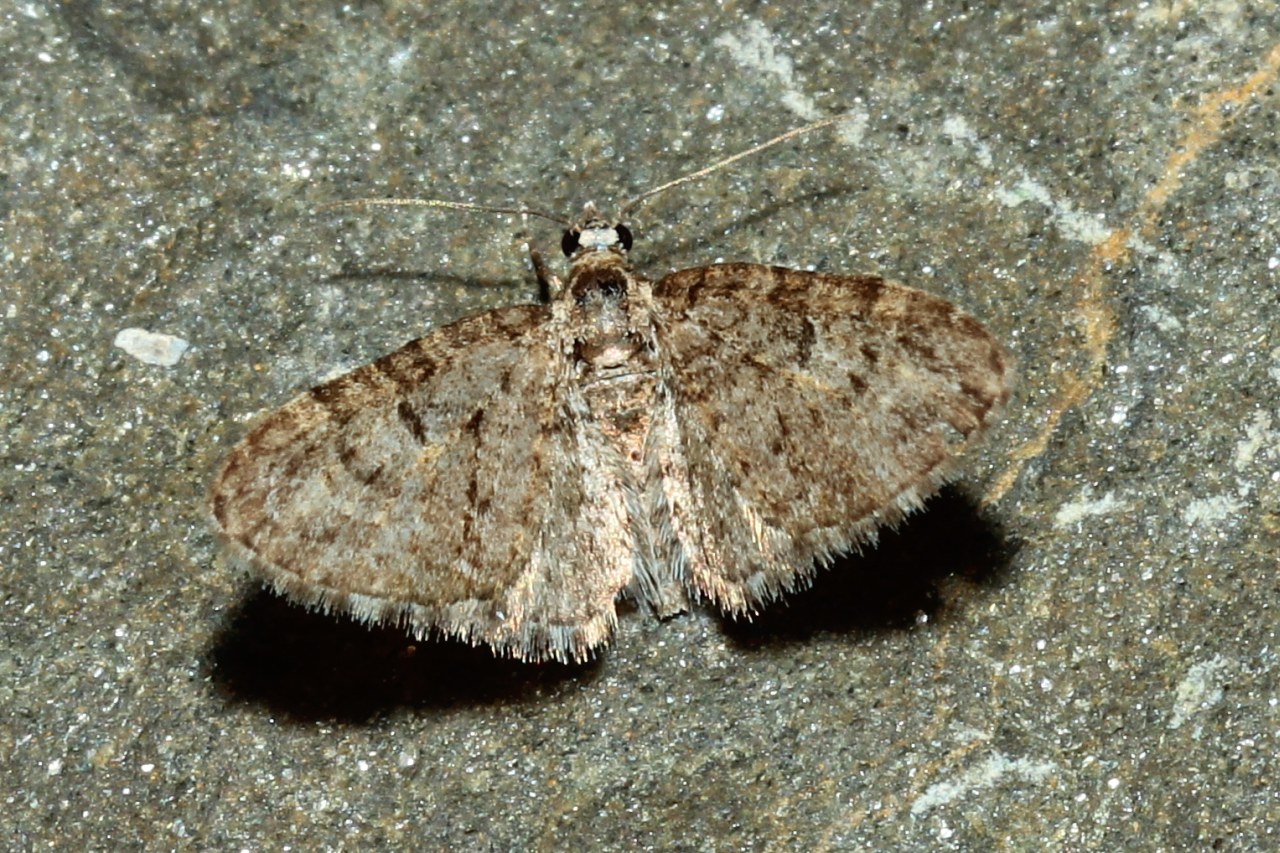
(1075, 648)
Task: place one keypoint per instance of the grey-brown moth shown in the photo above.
(717, 434)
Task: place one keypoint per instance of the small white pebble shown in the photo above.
(151, 347)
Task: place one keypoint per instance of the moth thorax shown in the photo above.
(599, 284)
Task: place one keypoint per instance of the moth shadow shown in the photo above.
(686, 241)
(932, 558)
(305, 666)
(443, 282)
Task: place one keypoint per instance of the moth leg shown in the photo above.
(548, 282)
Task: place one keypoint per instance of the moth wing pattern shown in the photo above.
(811, 410)
(439, 487)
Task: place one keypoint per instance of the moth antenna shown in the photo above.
(728, 161)
(444, 204)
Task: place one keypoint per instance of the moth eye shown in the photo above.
(569, 242)
(624, 236)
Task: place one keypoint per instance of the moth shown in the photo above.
(716, 435)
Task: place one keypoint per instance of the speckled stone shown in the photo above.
(1074, 648)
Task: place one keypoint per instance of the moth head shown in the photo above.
(595, 234)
